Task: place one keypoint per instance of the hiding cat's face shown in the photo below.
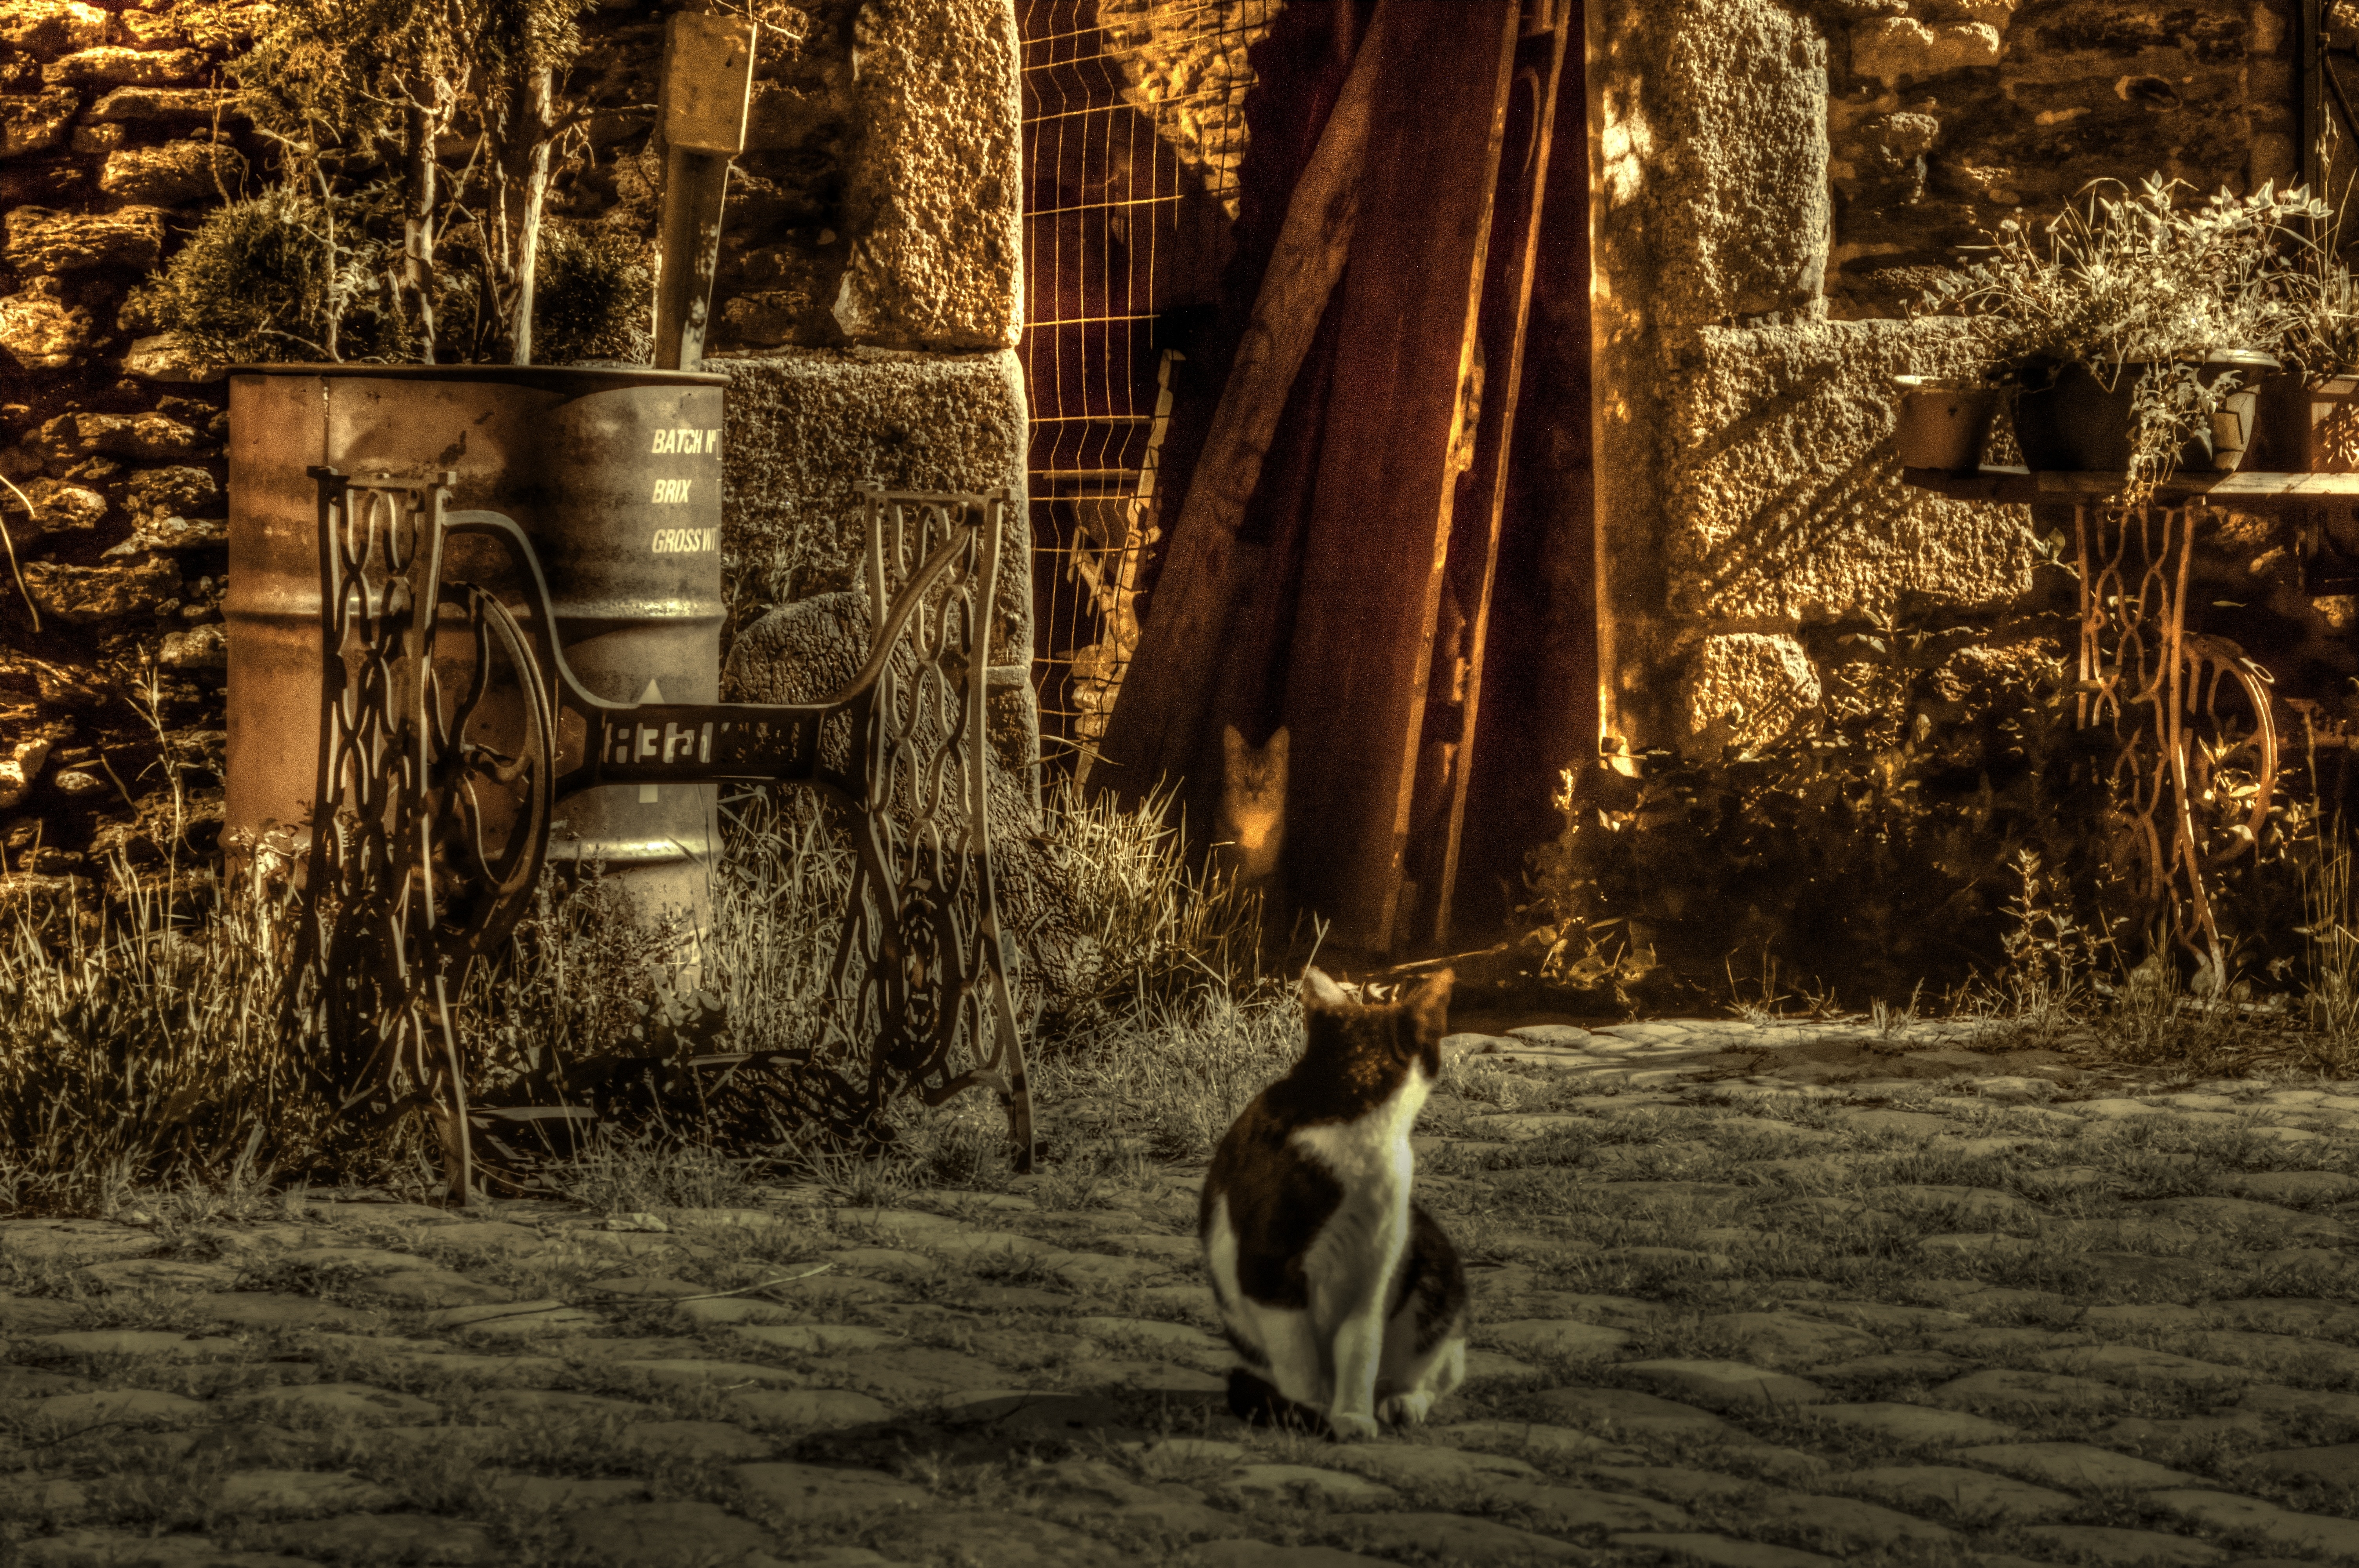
(1387, 1038)
(1253, 789)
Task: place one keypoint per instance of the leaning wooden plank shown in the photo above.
(1387, 473)
(1506, 308)
(1160, 714)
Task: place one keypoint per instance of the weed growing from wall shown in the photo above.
(407, 222)
(1873, 844)
(282, 275)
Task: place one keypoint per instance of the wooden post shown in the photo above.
(1158, 720)
(1380, 526)
(1506, 308)
(708, 89)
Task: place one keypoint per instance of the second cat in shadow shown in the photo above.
(1249, 832)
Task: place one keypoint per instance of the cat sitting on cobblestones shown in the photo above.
(1345, 1302)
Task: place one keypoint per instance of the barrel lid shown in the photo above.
(612, 374)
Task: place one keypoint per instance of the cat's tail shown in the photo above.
(1255, 1401)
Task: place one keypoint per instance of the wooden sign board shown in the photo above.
(708, 86)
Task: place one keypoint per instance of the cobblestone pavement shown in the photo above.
(1758, 1297)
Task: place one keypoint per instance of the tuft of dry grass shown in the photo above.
(1158, 931)
(646, 1171)
(1175, 1073)
(147, 1051)
(2331, 906)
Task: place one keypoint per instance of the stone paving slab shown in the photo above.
(1770, 1297)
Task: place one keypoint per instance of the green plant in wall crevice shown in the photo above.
(407, 222)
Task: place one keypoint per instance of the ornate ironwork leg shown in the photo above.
(2157, 686)
(408, 892)
(405, 893)
(923, 923)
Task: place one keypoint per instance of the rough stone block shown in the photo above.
(166, 357)
(142, 438)
(1758, 682)
(42, 241)
(83, 596)
(1713, 205)
(148, 30)
(50, 27)
(807, 426)
(178, 491)
(59, 507)
(18, 769)
(1890, 48)
(166, 103)
(1714, 169)
(1785, 499)
(173, 174)
(1904, 135)
(933, 186)
(116, 67)
(199, 648)
(35, 122)
(40, 331)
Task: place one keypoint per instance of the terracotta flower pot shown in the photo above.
(2302, 428)
(2072, 422)
(1942, 427)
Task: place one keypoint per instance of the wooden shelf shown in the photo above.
(2257, 491)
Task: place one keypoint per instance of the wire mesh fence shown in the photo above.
(1133, 129)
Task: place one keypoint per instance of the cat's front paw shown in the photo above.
(1351, 1427)
(1405, 1410)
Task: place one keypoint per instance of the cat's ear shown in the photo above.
(1277, 747)
(1231, 743)
(1319, 991)
(1429, 1006)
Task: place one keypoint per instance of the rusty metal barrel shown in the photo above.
(615, 477)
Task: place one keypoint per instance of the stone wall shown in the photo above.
(1185, 66)
(1771, 184)
(876, 207)
(1945, 118)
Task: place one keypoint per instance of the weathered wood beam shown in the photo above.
(1160, 717)
(1506, 310)
(708, 85)
(1387, 474)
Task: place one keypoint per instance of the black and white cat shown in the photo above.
(1345, 1302)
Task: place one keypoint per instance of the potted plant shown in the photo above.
(2134, 329)
(2309, 414)
(1944, 420)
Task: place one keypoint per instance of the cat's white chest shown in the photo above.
(1369, 1155)
(1372, 1162)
